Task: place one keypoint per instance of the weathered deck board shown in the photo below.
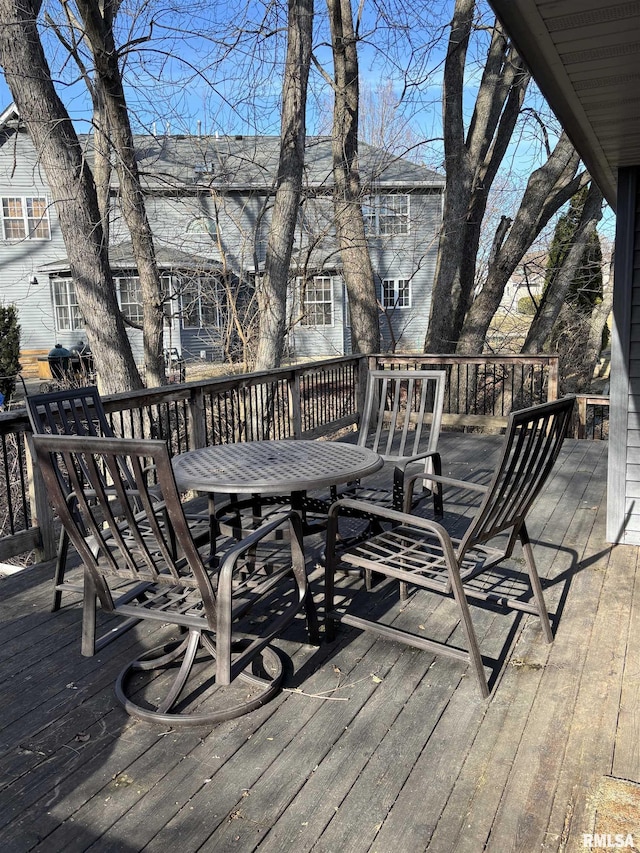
(598, 701)
(626, 763)
(412, 760)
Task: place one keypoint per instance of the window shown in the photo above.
(130, 298)
(25, 218)
(203, 302)
(65, 306)
(202, 225)
(396, 293)
(317, 301)
(386, 215)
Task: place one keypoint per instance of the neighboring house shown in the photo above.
(527, 282)
(209, 205)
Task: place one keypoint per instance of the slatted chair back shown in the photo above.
(72, 411)
(75, 411)
(402, 412)
(532, 442)
(127, 516)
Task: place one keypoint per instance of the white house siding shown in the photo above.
(236, 196)
(413, 257)
(20, 281)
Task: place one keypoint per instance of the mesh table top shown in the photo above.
(273, 467)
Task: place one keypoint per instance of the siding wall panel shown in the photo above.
(623, 502)
(632, 490)
(242, 215)
(21, 282)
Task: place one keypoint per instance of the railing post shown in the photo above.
(295, 405)
(582, 416)
(363, 366)
(552, 384)
(197, 421)
(41, 513)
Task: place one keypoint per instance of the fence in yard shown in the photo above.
(305, 401)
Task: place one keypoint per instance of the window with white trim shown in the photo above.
(130, 296)
(65, 306)
(202, 225)
(386, 215)
(25, 218)
(396, 293)
(317, 301)
(203, 302)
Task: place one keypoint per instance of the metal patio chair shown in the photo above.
(420, 553)
(79, 411)
(127, 523)
(401, 422)
(75, 411)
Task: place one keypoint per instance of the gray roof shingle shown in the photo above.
(242, 162)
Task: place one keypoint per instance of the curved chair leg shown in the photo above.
(162, 656)
(190, 647)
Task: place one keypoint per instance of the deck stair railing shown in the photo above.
(309, 400)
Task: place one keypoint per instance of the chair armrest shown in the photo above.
(406, 519)
(440, 481)
(232, 556)
(431, 454)
(447, 481)
(399, 474)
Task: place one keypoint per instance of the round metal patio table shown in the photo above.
(273, 467)
(268, 473)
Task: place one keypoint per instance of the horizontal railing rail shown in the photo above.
(481, 391)
(306, 401)
(591, 417)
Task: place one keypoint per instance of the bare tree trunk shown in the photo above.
(352, 241)
(272, 295)
(471, 164)
(593, 342)
(98, 23)
(101, 145)
(71, 183)
(554, 296)
(101, 157)
(548, 188)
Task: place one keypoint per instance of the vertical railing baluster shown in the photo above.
(295, 405)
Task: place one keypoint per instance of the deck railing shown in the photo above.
(310, 400)
(591, 417)
(481, 391)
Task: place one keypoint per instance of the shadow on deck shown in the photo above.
(371, 746)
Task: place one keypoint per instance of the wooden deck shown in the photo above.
(371, 746)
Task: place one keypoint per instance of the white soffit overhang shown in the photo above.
(585, 57)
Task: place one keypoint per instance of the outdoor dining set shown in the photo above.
(215, 542)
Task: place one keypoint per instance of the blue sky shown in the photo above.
(187, 78)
